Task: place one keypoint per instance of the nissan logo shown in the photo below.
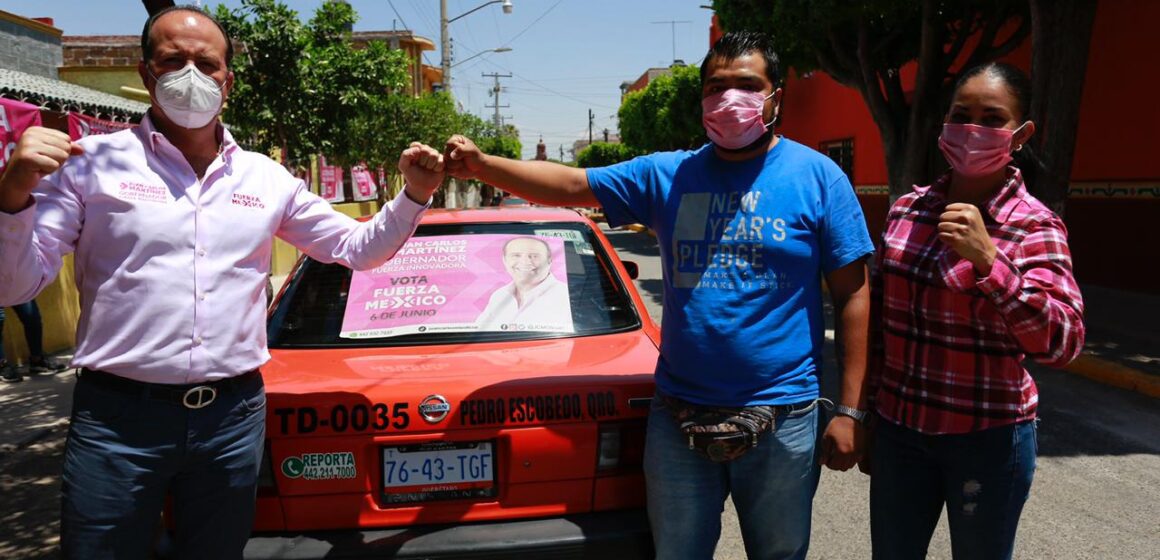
(434, 409)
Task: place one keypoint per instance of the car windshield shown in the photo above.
(460, 283)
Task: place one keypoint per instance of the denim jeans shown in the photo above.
(772, 487)
(982, 477)
(29, 314)
(125, 453)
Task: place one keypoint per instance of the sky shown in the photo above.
(568, 56)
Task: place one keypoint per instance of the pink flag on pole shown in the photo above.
(80, 126)
(330, 178)
(364, 183)
(15, 117)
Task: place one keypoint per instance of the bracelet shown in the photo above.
(860, 416)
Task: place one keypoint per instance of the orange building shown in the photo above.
(1115, 177)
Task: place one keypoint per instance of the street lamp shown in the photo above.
(481, 53)
(445, 38)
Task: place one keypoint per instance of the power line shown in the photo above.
(496, 91)
(391, 3)
(542, 16)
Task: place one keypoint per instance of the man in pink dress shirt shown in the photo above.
(172, 225)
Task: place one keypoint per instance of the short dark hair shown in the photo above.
(736, 44)
(147, 41)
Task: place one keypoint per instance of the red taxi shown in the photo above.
(425, 410)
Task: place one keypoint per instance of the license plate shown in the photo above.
(438, 471)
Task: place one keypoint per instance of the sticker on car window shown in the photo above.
(583, 247)
(462, 283)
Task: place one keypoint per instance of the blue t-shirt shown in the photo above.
(744, 246)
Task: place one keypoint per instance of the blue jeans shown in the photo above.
(772, 486)
(29, 315)
(982, 477)
(125, 453)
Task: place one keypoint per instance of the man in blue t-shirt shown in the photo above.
(748, 226)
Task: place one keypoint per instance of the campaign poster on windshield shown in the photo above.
(462, 283)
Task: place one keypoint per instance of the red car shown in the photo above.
(428, 409)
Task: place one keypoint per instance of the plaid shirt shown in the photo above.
(948, 345)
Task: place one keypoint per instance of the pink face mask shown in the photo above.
(976, 151)
(732, 118)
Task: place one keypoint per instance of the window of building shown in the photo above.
(842, 152)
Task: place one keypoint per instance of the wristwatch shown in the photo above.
(860, 416)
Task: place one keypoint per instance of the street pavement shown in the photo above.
(1094, 494)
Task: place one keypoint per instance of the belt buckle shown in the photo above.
(199, 397)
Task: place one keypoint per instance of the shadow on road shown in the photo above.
(30, 509)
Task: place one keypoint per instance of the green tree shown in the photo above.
(1060, 39)
(305, 88)
(665, 115)
(600, 154)
(864, 45)
(504, 142)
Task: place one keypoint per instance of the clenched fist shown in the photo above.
(464, 158)
(422, 169)
(39, 152)
(961, 227)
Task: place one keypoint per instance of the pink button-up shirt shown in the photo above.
(172, 269)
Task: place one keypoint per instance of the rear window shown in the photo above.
(460, 283)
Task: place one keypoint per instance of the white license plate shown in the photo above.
(438, 471)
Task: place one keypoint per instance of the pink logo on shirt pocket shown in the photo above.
(143, 193)
(247, 201)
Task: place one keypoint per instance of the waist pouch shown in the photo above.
(720, 433)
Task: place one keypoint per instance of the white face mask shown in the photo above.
(189, 98)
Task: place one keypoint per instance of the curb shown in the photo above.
(1115, 374)
(639, 228)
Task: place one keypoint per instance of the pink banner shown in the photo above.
(80, 126)
(15, 117)
(462, 283)
(330, 178)
(364, 184)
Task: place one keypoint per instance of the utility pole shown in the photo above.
(444, 46)
(591, 117)
(495, 91)
(673, 26)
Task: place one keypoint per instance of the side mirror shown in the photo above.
(632, 268)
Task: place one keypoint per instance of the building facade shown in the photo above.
(1115, 177)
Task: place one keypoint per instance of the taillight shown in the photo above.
(266, 484)
(620, 445)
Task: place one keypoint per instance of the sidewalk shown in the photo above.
(34, 408)
(1123, 340)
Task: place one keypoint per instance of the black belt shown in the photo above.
(193, 395)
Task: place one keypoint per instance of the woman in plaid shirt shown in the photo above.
(974, 275)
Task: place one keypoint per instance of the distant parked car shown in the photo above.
(514, 202)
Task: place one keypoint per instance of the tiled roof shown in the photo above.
(63, 96)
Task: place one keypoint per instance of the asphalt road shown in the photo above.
(1095, 490)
